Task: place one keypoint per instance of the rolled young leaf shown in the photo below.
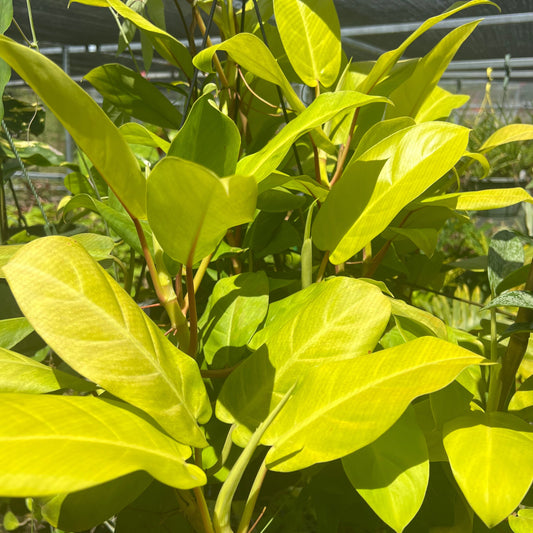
(95, 327)
(89, 126)
(57, 444)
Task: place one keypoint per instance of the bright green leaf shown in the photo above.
(107, 337)
(480, 200)
(97, 246)
(310, 33)
(522, 522)
(119, 222)
(167, 46)
(411, 95)
(190, 208)
(364, 396)
(208, 138)
(76, 436)
(10, 521)
(137, 134)
(237, 306)
(522, 400)
(439, 104)
(387, 60)
(327, 105)
(6, 14)
(19, 373)
(392, 473)
(371, 193)
(298, 337)
(491, 455)
(253, 55)
(507, 134)
(5, 75)
(85, 509)
(13, 330)
(89, 126)
(432, 324)
(131, 93)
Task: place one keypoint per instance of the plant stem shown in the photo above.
(199, 276)
(252, 498)
(229, 487)
(344, 150)
(200, 497)
(190, 37)
(34, 43)
(322, 268)
(193, 317)
(516, 349)
(494, 370)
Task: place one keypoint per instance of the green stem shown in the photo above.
(3, 210)
(200, 498)
(322, 268)
(34, 43)
(193, 317)
(344, 150)
(252, 499)
(226, 449)
(494, 370)
(227, 492)
(128, 280)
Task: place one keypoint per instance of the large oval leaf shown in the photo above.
(190, 208)
(237, 306)
(491, 455)
(311, 35)
(371, 193)
(392, 473)
(208, 138)
(480, 200)
(130, 92)
(13, 330)
(339, 319)
(342, 406)
(93, 325)
(89, 126)
(56, 444)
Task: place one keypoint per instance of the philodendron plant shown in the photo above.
(281, 386)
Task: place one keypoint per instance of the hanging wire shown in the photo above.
(281, 100)
(49, 228)
(194, 80)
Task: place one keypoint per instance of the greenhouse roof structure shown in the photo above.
(81, 37)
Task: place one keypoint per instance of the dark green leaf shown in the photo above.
(130, 92)
(506, 254)
(512, 299)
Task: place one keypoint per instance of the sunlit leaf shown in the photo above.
(327, 105)
(522, 522)
(208, 138)
(237, 306)
(310, 32)
(371, 193)
(491, 455)
(392, 473)
(253, 55)
(137, 134)
(13, 330)
(507, 134)
(190, 208)
(89, 126)
(107, 337)
(19, 373)
(82, 442)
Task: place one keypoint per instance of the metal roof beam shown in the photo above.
(382, 29)
(467, 64)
